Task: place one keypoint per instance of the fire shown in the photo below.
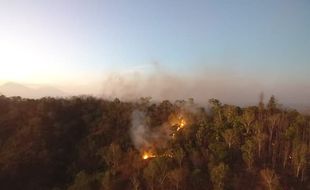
(182, 124)
(147, 154)
(177, 122)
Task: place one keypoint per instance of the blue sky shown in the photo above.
(61, 41)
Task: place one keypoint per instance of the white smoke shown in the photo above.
(139, 130)
(145, 137)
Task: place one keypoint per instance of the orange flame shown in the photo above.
(148, 154)
(182, 124)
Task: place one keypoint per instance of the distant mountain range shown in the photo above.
(16, 89)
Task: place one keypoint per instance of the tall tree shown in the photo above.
(270, 178)
(248, 153)
(231, 137)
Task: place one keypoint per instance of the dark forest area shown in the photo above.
(91, 143)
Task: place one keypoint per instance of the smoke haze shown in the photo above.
(229, 87)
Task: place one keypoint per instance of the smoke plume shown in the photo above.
(145, 137)
(140, 130)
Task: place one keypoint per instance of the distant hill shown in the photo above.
(16, 89)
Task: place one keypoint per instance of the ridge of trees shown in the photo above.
(85, 143)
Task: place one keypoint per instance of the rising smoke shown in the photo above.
(140, 130)
(147, 137)
(143, 136)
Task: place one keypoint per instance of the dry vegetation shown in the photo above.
(90, 143)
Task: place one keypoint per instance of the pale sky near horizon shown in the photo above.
(76, 42)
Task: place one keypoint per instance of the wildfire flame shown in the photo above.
(177, 121)
(182, 124)
(148, 154)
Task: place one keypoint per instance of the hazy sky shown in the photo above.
(75, 42)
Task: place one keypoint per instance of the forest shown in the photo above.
(84, 142)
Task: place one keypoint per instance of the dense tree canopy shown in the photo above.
(86, 143)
